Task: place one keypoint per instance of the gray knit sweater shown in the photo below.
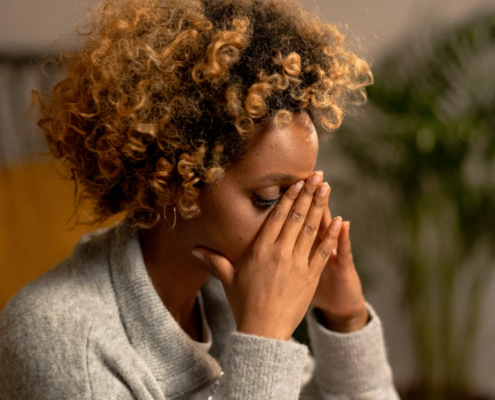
(93, 327)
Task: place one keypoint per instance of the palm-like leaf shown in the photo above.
(430, 134)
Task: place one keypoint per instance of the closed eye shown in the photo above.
(266, 203)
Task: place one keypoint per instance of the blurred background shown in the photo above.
(414, 170)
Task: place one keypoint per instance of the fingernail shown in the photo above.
(348, 225)
(315, 178)
(336, 223)
(323, 190)
(198, 254)
(319, 173)
(298, 186)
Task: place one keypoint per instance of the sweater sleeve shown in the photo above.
(349, 365)
(263, 368)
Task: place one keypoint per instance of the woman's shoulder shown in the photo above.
(67, 297)
(46, 327)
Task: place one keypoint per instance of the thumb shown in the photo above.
(217, 264)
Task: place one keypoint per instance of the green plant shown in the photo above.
(429, 134)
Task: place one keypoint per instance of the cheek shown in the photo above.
(232, 227)
(240, 223)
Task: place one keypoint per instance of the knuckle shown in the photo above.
(279, 256)
(290, 195)
(318, 202)
(296, 215)
(308, 229)
(214, 260)
(277, 213)
(307, 192)
(255, 250)
(324, 252)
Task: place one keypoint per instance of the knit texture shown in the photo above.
(94, 327)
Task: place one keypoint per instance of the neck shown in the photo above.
(175, 273)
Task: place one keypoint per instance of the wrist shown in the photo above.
(259, 331)
(343, 325)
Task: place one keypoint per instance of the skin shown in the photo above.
(229, 225)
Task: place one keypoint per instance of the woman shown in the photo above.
(199, 119)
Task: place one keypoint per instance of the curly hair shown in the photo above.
(163, 94)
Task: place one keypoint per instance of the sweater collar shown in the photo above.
(170, 353)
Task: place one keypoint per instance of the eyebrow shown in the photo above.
(280, 176)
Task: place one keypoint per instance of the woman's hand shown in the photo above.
(271, 292)
(339, 295)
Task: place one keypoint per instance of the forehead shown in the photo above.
(292, 150)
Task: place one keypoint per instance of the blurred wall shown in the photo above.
(27, 25)
(35, 206)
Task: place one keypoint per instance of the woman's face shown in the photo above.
(234, 209)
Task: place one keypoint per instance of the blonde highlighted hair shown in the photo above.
(163, 94)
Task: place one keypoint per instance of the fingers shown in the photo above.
(325, 222)
(311, 224)
(297, 214)
(217, 264)
(344, 253)
(327, 245)
(271, 228)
